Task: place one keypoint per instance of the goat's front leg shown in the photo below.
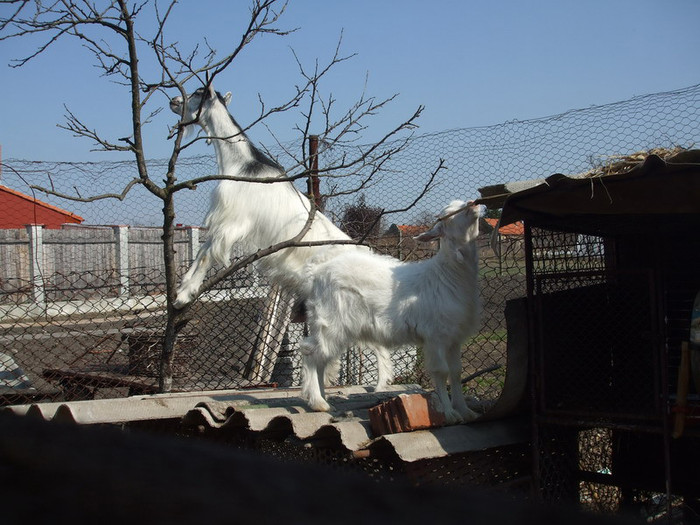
(437, 366)
(454, 358)
(193, 279)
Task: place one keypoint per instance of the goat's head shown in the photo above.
(198, 103)
(456, 226)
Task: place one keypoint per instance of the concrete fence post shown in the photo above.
(121, 234)
(36, 262)
(192, 242)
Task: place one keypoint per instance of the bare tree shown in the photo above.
(361, 219)
(117, 35)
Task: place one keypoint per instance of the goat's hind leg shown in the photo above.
(385, 368)
(454, 361)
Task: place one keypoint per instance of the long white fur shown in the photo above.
(256, 215)
(374, 299)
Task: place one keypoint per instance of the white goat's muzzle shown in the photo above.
(176, 104)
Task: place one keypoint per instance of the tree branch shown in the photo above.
(426, 188)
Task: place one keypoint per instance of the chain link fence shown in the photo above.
(82, 305)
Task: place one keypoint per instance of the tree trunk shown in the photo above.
(174, 317)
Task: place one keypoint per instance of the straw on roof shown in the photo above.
(619, 164)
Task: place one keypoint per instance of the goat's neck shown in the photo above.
(232, 147)
(459, 267)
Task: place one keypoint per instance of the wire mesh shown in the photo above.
(598, 353)
(82, 298)
(609, 314)
(602, 471)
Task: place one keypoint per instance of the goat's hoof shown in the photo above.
(320, 406)
(452, 417)
(182, 300)
(468, 415)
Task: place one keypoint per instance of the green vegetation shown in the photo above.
(488, 383)
(496, 336)
(487, 270)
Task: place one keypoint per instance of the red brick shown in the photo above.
(405, 413)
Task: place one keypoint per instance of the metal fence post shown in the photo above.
(36, 262)
(313, 185)
(121, 234)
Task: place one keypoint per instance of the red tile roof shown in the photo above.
(411, 231)
(517, 228)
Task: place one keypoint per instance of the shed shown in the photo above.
(613, 266)
(20, 209)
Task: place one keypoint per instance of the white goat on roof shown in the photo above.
(368, 298)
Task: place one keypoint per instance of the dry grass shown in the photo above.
(618, 164)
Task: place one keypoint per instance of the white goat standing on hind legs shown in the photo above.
(256, 215)
(369, 298)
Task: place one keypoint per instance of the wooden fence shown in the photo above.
(42, 265)
(86, 263)
(83, 264)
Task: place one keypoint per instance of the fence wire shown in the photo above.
(82, 305)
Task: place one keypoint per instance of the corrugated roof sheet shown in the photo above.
(348, 423)
(282, 412)
(456, 439)
(650, 188)
(213, 408)
(349, 427)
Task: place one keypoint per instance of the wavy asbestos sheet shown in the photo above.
(348, 424)
(456, 439)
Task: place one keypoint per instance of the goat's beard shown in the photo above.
(193, 129)
(189, 130)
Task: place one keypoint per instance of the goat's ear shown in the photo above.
(227, 99)
(432, 234)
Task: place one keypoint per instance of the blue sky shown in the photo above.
(469, 63)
